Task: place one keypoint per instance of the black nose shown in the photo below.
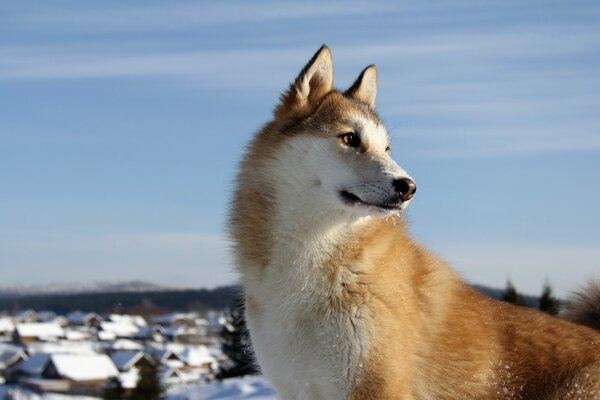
(405, 188)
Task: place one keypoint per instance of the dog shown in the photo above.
(342, 304)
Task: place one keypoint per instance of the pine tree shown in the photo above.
(548, 303)
(113, 390)
(148, 386)
(236, 344)
(511, 295)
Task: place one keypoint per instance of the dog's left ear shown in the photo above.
(365, 87)
(314, 81)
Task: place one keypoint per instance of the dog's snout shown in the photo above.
(405, 188)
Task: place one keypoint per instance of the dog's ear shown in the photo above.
(314, 81)
(365, 87)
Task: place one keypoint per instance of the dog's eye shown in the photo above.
(350, 139)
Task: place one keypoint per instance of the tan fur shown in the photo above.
(422, 332)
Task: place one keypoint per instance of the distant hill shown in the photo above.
(140, 297)
(139, 302)
(73, 288)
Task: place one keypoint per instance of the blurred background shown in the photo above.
(121, 124)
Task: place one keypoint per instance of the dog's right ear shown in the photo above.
(314, 81)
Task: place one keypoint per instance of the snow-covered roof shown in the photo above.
(136, 320)
(167, 356)
(147, 331)
(125, 360)
(65, 347)
(120, 329)
(174, 330)
(84, 367)
(125, 345)
(26, 315)
(6, 325)
(167, 319)
(46, 316)
(9, 356)
(35, 364)
(197, 356)
(42, 330)
(71, 334)
(103, 335)
(79, 317)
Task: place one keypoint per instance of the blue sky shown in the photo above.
(121, 123)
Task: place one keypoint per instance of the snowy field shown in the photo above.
(250, 387)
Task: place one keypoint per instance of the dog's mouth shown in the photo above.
(352, 199)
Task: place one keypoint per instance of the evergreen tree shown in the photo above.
(548, 303)
(512, 296)
(236, 344)
(148, 386)
(113, 390)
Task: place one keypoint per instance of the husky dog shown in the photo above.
(342, 304)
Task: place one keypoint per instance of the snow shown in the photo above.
(120, 329)
(249, 387)
(125, 345)
(64, 347)
(6, 325)
(19, 393)
(124, 360)
(40, 330)
(84, 368)
(130, 319)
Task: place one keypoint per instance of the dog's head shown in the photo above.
(335, 154)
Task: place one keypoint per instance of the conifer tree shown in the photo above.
(113, 389)
(511, 295)
(548, 303)
(148, 386)
(236, 344)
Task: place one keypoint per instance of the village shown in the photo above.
(83, 352)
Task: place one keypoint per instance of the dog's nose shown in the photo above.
(405, 188)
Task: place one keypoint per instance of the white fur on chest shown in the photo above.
(306, 349)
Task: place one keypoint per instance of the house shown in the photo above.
(176, 319)
(152, 332)
(168, 358)
(199, 358)
(26, 316)
(46, 316)
(10, 356)
(170, 376)
(136, 320)
(126, 360)
(38, 331)
(7, 329)
(73, 373)
(32, 366)
(120, 329)
(88, 319)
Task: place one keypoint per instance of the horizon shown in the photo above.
(123, 126)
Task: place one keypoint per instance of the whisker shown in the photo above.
(314, 185)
